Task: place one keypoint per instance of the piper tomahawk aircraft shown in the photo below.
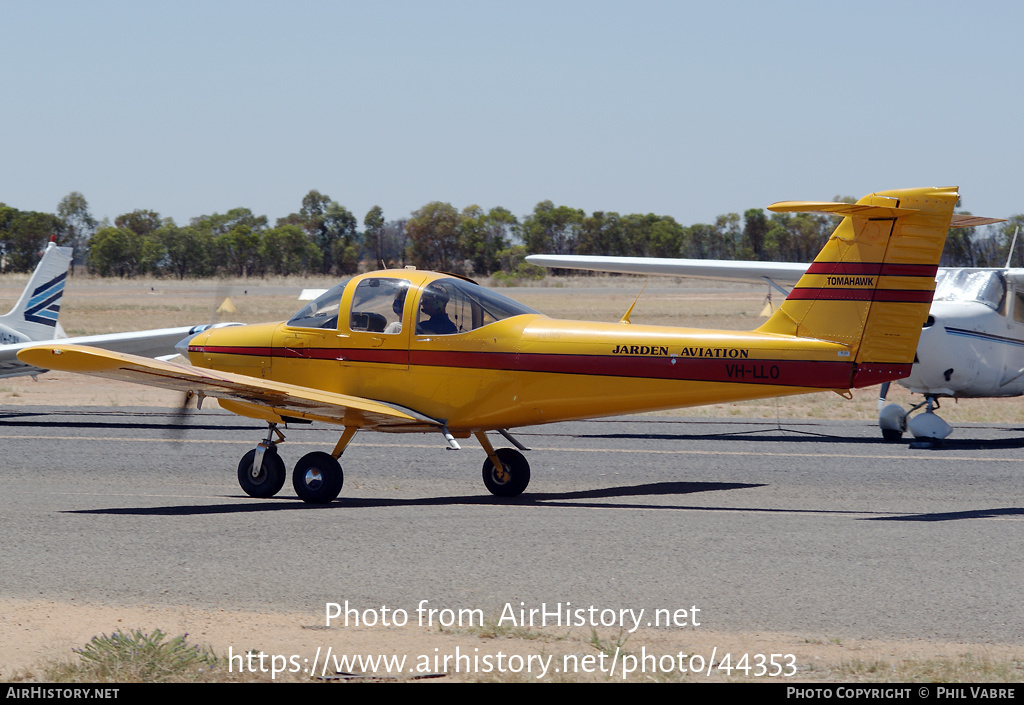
(34, 318)
(408, 350)
(972, 343)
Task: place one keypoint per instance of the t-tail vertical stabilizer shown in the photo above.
(871, 285)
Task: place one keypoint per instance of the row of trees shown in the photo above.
(324, 237)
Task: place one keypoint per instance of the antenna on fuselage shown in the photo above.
(625, 316)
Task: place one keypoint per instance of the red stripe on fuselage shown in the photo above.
(789, 373)
(820, 374)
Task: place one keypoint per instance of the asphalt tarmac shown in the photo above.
(812, 527)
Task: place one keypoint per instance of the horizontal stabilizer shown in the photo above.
(859, 210)
(856, 210)
(966, 220)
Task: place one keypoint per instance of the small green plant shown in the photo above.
(608, 646)
(492, 629)
(138, 657)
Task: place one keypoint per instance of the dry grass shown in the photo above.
(147, 656)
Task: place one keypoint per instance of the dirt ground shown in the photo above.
(33, 633)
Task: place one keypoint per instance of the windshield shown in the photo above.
(321, 312)
(987, 286)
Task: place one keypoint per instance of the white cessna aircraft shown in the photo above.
(34, 319)
(972, 345)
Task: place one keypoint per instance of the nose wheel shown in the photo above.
(262, 477)
(512, 478)
(928, 428)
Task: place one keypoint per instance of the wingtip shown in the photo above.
(39, 355)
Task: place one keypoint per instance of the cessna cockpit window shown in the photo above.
(450, 306)
(322, 312)
(987, 287)
(377, 305)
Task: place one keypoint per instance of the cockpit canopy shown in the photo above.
(445, 306)
(321, 312)
(983, 286)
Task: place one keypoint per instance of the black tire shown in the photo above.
(317, 478)
(516, 466)
(270, 479)
(892, 434)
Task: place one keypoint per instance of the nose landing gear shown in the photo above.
(261, 472)
(928, 428)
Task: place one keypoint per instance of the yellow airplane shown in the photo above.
(409, 350)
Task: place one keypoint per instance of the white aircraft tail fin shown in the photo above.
(34, 316)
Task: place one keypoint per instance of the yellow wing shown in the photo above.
(249, 396)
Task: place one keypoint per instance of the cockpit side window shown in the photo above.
(322, 312)
(450, 306)
(377, 305)
(1018, 306)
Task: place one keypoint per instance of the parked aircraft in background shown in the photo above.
(407, 350)
(972, 343)
(34, 318)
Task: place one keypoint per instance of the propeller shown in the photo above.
(192, 400)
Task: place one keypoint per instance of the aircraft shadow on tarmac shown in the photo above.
(578, 499)
(793, 436)
(954, 516)
(581, 498)
(161, 421)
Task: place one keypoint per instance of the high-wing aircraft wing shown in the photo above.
(728, 270)
(776, 273)
(249, 396)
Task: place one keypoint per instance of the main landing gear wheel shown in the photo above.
(268, 481)
(317, 478)
(892, 419)
(513, 480)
